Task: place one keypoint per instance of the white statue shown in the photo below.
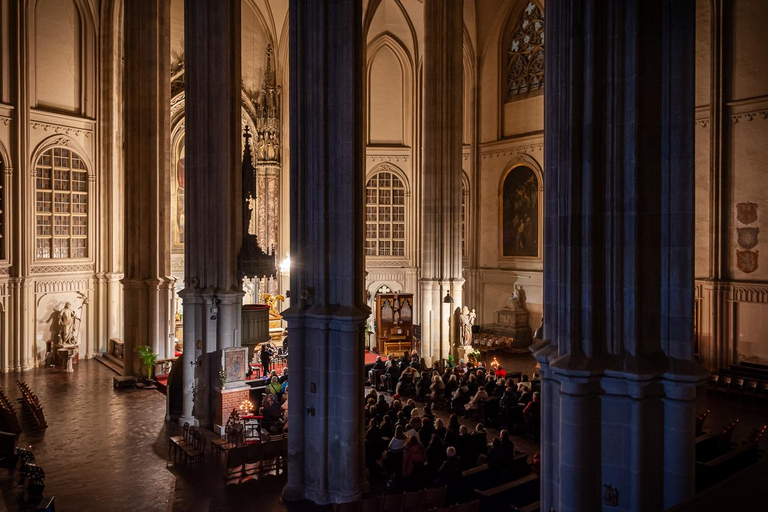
(67, 335)
(467, 321)
(515, 301)
(252, 209)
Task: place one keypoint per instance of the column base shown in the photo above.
(188, 419)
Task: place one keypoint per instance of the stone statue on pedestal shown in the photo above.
(67, 334)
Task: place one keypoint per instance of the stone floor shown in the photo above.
(106, 450)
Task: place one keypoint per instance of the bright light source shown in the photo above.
(285, 265)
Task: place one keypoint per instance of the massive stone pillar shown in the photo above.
(618, 378)
(328, 310)
(148, 285)
(212, 295)
(441, 260)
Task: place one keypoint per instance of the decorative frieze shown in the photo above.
(750, 116)
(5, 120)
(749, 293)
(702, 123)
(387, 158)
(60, 286)
(37, 125)
(369, 263)
(511, 151)
(61, 269)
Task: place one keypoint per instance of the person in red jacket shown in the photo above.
(414, 458)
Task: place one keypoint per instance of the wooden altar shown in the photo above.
(394, 322)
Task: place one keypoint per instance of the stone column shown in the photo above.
(618, 268)
(212, 295)
(328, 310)
(441, 259)
(147, 278)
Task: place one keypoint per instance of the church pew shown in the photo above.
(721, 467)
(519, 492)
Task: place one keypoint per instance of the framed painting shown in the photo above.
(177, 222)
(520, 209)
(235, 364)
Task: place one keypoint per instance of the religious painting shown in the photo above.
(178, 194)
(235, 364)
(520, 222)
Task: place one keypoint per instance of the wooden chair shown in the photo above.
(434, 498)
(472, 506)
(413, 501)
(233, 469)
(353, 506)
(371, 505)
(253, 459)
(714, 381)
(751, 390)
(392, 502)
(176, 442)
(737, 387)
(724, 385)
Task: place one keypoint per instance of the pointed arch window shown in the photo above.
(61, 205)
(385, 215)
(525, 53)
(2, 209)
(464, 217)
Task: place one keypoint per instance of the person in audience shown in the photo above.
(414, 458)
(413, 427)
(437, 388)
(379, 364)
(480, 439)
(490, 385)
(266, 357)
(402, 420)
(507, 446)
(460, 398)
(394, 409)
(391, 375)
(440, 429)
(410, 405)
(509, 399)
(501, 387)
(387, 428)
(496, 460)
(451, 386)
(450, 471)
(464, 447)
(501, 373)
(435, 451)
(426, 430)
(398, 441)
(525, 394)
(428, 412)
(472, 384)
(274, 386)
(284, 382)
(447, 375)
(407, 384)
(474, 403)
(381, 405)
(372, 394)
(532, 415)
(453, 431)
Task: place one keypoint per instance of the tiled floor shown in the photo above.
(105, 450)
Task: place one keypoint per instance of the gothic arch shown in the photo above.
(388, 42)
(88, 55)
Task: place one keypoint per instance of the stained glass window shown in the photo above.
(385, 215)
(525, 53)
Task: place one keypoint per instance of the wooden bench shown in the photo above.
(520, 492)
(8, 418)
(32, 405)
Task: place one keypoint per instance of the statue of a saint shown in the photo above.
(271, 150)
(67, 318)
(252, 209)
(515, 301)
(261, 147)
(466, 327)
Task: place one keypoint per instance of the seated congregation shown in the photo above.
(444, 442)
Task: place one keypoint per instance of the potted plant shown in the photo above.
(223, 377)
(148, 357)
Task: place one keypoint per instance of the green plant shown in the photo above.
(451, 361)
(148, 358)
(223, 376)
